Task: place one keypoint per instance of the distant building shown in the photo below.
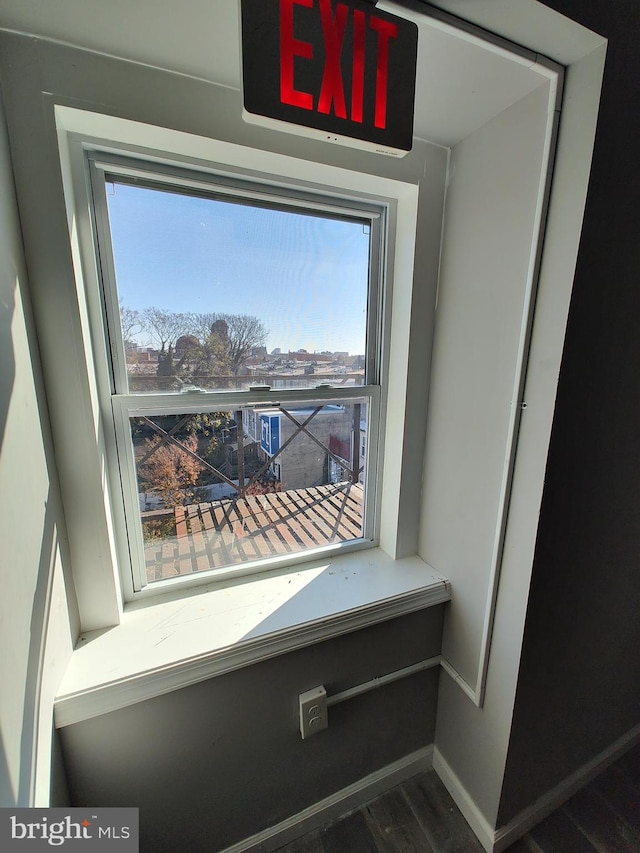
(302, 355)
(304, 463)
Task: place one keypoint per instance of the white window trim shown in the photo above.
(102, 597)
(186, 639)
(124, 403)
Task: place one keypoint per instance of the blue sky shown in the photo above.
(304, 276)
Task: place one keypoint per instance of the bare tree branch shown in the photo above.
(130, 321)
(243, 333)
(164, 327)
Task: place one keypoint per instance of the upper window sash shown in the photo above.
(104, 168)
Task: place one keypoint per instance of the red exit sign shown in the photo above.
(340, 67)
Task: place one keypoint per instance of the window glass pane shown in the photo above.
(221, 294)
(303, 471)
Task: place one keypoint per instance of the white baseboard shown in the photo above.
(494, 841)
(336, 805)
(553, 799)
(465, 802)
(497, 840)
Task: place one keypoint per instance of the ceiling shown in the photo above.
(460, 84)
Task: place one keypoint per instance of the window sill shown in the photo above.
(176, 642)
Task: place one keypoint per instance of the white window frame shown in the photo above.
(126, 404)
(397, 198)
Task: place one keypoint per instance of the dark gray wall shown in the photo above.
(579, 682)
(221, 760)
(59, 792)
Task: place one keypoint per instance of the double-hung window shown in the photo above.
(242, 325)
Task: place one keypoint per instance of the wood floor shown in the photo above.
(419, 816)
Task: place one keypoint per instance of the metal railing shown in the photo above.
(352, 468)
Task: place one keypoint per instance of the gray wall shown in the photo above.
(221, 760)
(579, 682)
(35, 634)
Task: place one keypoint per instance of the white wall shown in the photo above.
(490, 219)
(471, 741)
(35, 626)
(489, 228)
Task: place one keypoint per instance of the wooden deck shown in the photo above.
(228, 532)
